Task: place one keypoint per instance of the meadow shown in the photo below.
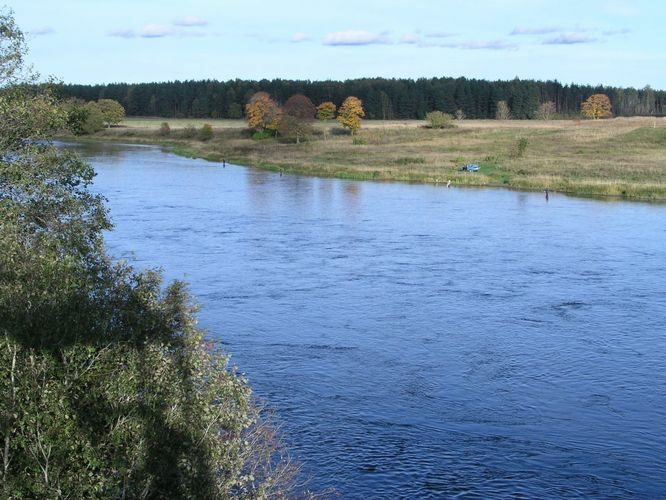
(620, 157)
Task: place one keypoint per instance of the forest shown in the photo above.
(383, 99)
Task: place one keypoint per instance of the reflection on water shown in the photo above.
(418, 341)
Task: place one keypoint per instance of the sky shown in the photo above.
(613, 42)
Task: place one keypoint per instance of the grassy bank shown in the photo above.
(622, 157)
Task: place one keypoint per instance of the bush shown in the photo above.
(262, 134)
(206, 132)
(520, 147)
(165, 130)
(189, 132)
(438, 119)
(359, 141)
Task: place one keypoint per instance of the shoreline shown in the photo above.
(355, 162)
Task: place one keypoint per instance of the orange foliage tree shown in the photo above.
(262, 112)
(597, 106)
(350, 113)
(326, 111)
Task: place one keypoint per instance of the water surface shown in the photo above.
(418, 341)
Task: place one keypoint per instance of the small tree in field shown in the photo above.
(262, 112)
(503, 111)
(597, 106)
(326, 111)
(546, 110)
(297, 115)
(112, 111)
(438, 119)
(350, 113)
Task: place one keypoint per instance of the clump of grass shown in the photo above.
(410, 160)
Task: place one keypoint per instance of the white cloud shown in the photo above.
(409, 38)
(299, 37)
(189, 21)
(570, 38)
(42, 30)
(352, 37)
(522, 30)
(123, 33)
(481, 45)
(156, 31)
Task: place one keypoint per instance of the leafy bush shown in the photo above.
(165, 130)
(189, 132)
(206, 132)
(262, 134)
(108, 389)
(520, 147)
(438, 119)
(359, 141)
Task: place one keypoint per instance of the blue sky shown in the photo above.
(615, 42)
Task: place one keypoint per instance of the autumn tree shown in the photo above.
(326, 111)
(300, 107)
(546, 110)
(112, 111)
(597, 106)
(350, 113)
(503, 112)
(262, 112)
(297, 116)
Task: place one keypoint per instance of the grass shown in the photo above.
(623, 157)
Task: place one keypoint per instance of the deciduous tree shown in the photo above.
(112, 111)
(262, 112)
(597, 106)
(546, 110)
(326, 111)
(503, 111)
(350, 113)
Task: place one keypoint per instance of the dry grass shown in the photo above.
(620, 157)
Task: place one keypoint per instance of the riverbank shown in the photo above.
(622, 157)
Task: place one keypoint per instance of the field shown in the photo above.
(621, 157)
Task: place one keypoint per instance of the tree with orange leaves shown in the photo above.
(350, 113)
(262, 112)
(597, 106)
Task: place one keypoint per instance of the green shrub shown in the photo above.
(438, 119)
(165, 130)
(189, 132)
(262, 134)
(206, 132)
(359, 141)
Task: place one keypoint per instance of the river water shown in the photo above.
(416, 341)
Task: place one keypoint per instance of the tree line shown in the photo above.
(383, 99)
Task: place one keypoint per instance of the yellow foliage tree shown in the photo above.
(350, 113)
(262, 112)
(326, 111)
(597, 106)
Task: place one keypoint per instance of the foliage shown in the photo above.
(12, 48)
(262, 112)
(382, 98)
(94, 119)
(437, 119)
(520, 147)
(206, 132)
(292, 127)
(597, 106)
(300, 107)
(261, 135)
(326, 111)
(165, 129)
(546, 110)
(189, 132)
(460, 114)
(112, 111)
(503, 112)
(108, 389)
(350, 113)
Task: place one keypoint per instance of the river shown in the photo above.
(416, 341)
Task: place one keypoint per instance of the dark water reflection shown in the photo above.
(417, 341)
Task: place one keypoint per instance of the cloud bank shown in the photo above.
(352, 37)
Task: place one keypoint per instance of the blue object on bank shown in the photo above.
(470, 167)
